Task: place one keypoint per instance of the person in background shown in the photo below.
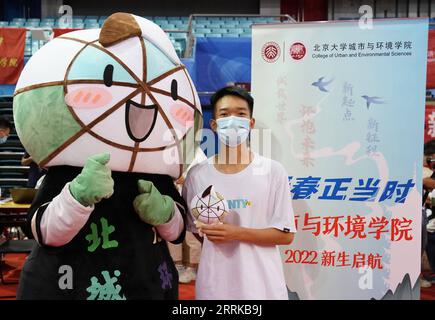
(35, 172)
(5, 129)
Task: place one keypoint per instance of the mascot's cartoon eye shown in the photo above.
(174, 89)
(108, 75)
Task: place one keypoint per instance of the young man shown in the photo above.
(240, 258)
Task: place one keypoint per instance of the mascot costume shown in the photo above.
(111, 113)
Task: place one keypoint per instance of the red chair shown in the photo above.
(14, 246)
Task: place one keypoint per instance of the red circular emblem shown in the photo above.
(297, 51)
(270, 51)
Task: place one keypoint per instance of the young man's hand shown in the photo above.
(220, 232)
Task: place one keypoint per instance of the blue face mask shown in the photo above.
(232, 130)
(3, 139)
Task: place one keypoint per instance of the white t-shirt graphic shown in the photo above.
(257, 197)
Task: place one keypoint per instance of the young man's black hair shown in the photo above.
(232, 91)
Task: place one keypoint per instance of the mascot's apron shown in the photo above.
(114, 256)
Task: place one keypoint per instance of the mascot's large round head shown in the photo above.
(120, 89)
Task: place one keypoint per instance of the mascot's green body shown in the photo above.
(110, 113)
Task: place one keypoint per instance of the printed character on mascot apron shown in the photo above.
(111, 114)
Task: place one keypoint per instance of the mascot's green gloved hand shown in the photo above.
(94, 182)
(152, 207)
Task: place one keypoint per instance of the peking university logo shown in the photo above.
(297, 51)
(270, 51)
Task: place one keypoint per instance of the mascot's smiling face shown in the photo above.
(121, 89)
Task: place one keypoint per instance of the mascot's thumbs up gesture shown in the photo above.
(151, 206)
(61, 223)
(94, 182)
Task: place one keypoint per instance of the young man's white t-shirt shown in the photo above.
(259, 198)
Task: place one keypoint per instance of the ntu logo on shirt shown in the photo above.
(238, 203)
